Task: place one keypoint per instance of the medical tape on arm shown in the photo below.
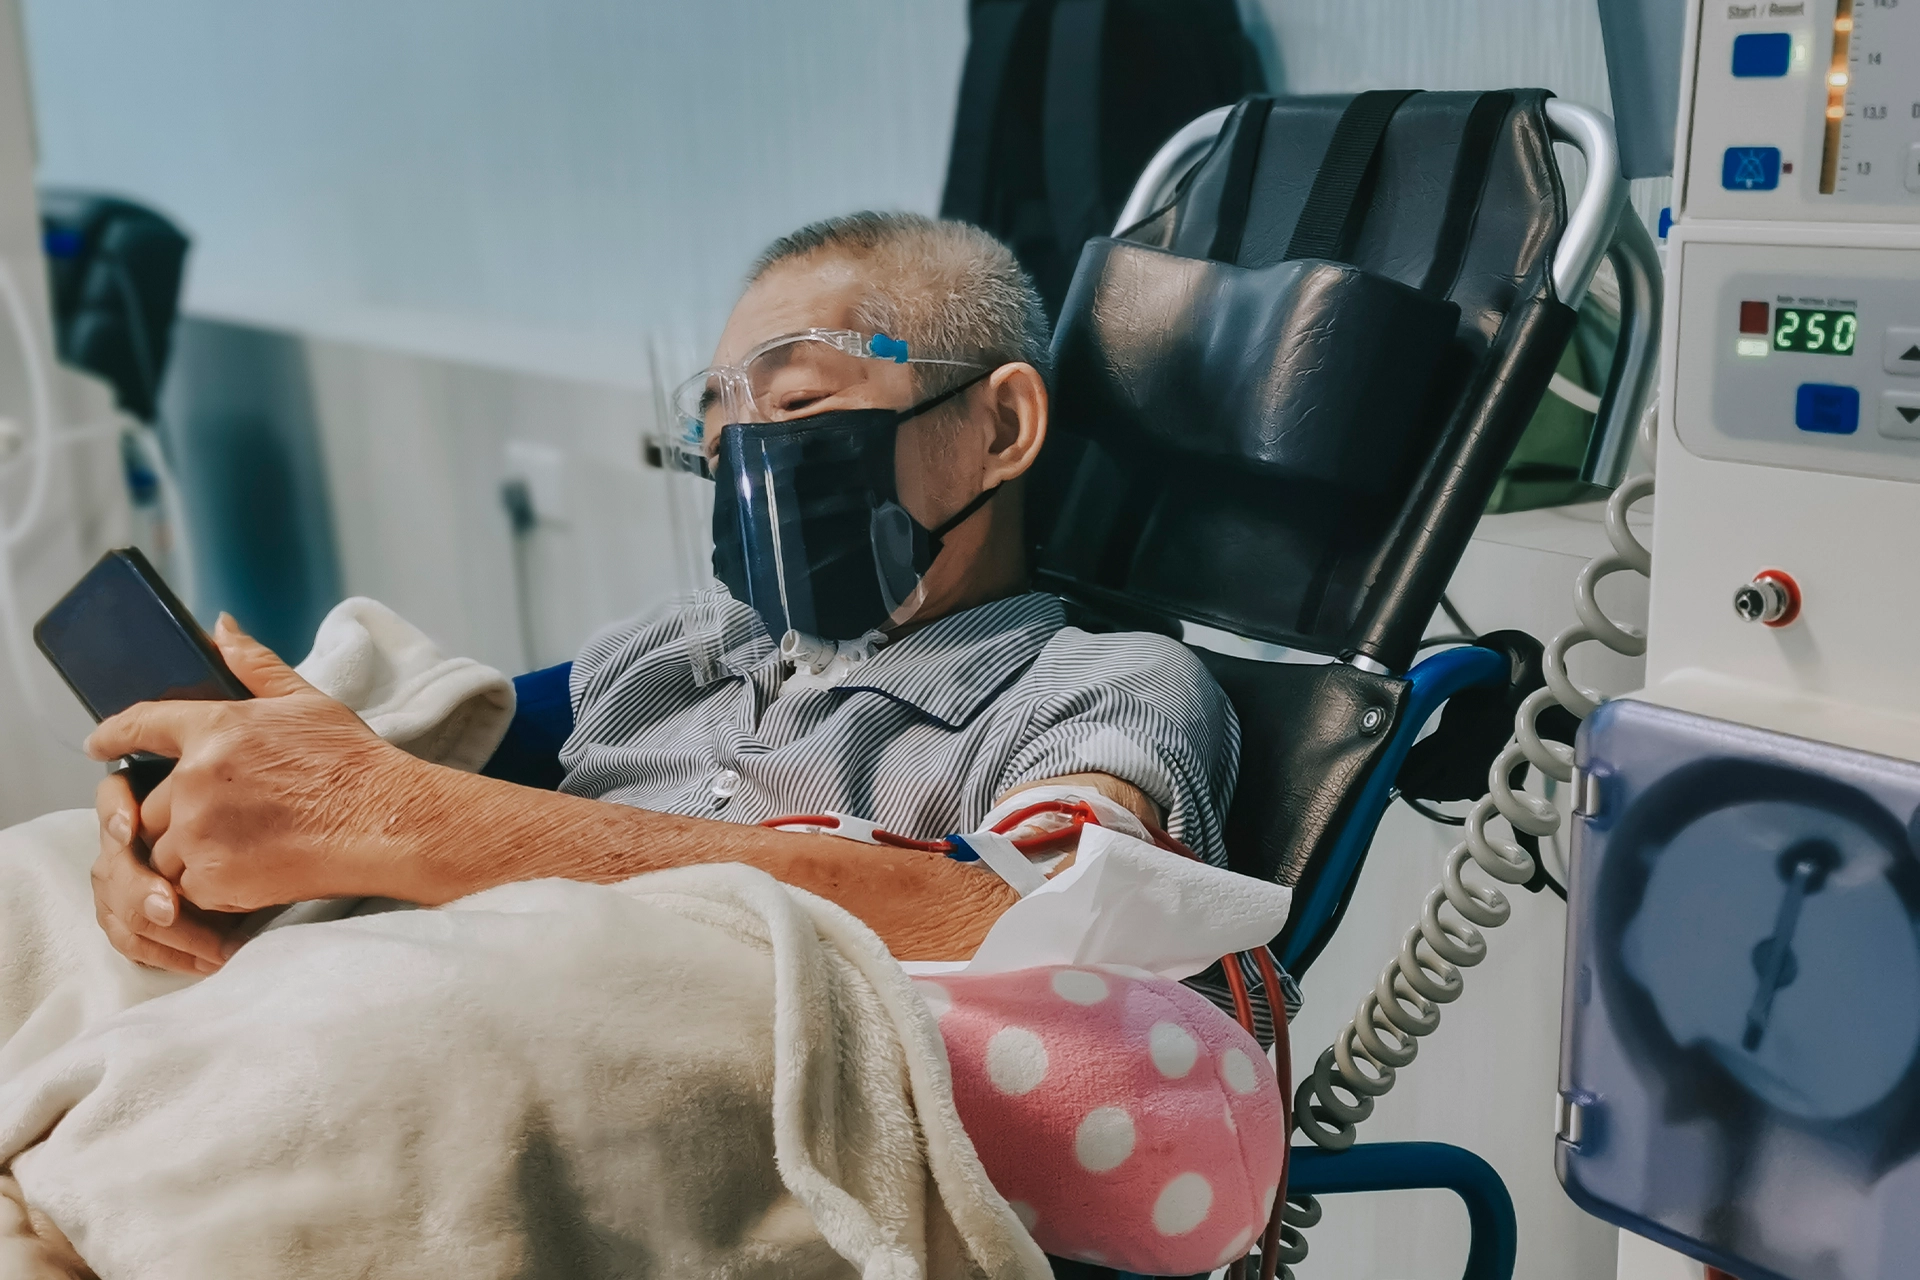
(1002, 858)
(1114, 816)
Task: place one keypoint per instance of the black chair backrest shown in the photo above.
(1322, 497)
(1376, 270)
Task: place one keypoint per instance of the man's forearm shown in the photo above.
(455, 834)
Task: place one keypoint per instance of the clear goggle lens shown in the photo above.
(791, 377)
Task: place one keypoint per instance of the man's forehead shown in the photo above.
(821, 291)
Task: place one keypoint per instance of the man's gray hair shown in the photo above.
(949, 289)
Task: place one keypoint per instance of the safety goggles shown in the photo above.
(794, 375)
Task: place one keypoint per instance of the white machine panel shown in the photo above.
(1744, 488)
(1807, 110)
(1801, 357)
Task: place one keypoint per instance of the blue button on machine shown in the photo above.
(1826, 408)
(1762, 53)
(1750, 168)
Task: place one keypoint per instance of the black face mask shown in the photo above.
(807, 523)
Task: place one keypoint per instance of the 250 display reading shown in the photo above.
(1815, 332)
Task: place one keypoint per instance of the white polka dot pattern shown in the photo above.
(1104, 1139)
(1024, 1211)
(1236, 1068)
(1109, 1106)
(1182, 1205)
(1016, 1060)
(1173, 1049)
(1079, 986)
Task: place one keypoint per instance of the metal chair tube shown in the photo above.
(1170, 164)
(1630, 382)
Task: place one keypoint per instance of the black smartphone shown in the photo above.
(121, 636)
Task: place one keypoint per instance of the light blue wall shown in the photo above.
(490, 176)
(542, 183)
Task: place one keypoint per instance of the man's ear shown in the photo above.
(1016, 396)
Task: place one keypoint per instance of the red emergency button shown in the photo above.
(1754, 317)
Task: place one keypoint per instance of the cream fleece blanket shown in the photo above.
(698, 1072)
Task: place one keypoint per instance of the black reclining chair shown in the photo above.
(1283, 396)
(1284, 393)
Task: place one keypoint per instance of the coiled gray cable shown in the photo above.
(1404, 1005)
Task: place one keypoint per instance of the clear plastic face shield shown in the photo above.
(800, 440)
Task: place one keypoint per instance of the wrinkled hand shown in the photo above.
(274, 800)
(137, 907)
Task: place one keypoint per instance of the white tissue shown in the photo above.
(1127, 902)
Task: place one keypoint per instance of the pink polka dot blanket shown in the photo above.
(1128, 1121)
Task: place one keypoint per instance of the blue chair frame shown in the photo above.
(1414, 1166)
(1434, 681)
(543, 717)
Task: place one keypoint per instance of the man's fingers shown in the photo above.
(153, 954)
(164, 728)
(259, 668)
(130, 894)
(156, 817)
(118, 811)
(122, 881)
(190, 934)
(156, 823)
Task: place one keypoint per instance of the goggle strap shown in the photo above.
(934, 402)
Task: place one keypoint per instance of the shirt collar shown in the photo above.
(949, 669)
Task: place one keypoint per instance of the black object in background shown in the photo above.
(1063, 102)
(115, 271)
(120, 636)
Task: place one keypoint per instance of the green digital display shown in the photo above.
(1815, 332)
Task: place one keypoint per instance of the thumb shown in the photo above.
(259, 668)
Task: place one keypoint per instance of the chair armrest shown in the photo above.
(1434, 681)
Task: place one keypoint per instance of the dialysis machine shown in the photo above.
(1740, 1066)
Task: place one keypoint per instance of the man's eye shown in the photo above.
(799, 401)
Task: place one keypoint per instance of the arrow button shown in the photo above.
(1902, 351)
(1900, 415)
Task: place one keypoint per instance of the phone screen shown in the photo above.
(120, 637)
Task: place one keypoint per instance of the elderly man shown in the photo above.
(875, 402)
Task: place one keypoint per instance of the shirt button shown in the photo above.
(725, 783)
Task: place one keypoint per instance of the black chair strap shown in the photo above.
(1248, 125)
(1477, 141)
(1331, 216)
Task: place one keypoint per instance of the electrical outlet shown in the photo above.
(543, 469)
